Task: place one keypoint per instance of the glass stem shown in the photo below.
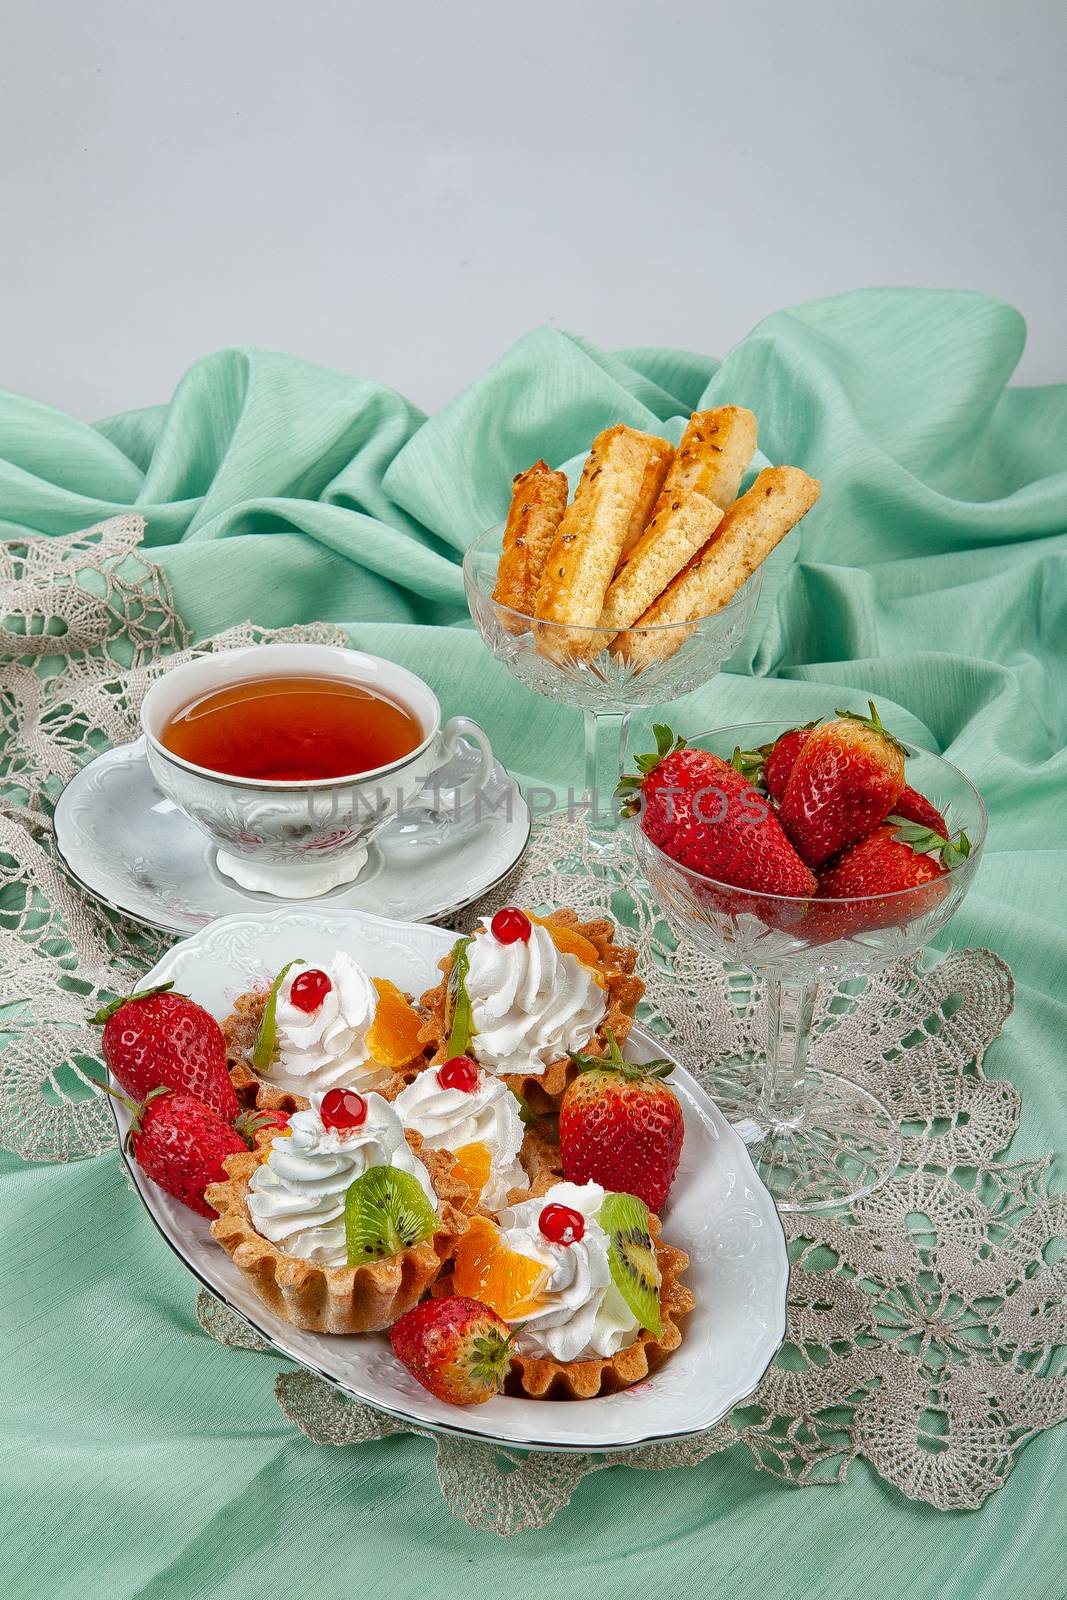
(790, 1007)
(606, 734)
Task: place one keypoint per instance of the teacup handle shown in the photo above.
(455, 730)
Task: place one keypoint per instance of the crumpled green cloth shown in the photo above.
(145, 1460)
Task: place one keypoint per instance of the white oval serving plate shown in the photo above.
(719, 1212)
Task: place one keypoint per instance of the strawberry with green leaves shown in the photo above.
(912, 806)
(846, 778)
(456, 1347)
(707, 816)
(621, 1126)
(898, 855)
(158, 1038)
(182, 1144)
(250, 1123)
(771, 764)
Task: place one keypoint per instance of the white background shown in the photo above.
(400, 190)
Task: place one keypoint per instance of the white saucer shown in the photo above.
(718, 1211)
(130, 847)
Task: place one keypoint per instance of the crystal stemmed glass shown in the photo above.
(578, 667)
(818, 1139)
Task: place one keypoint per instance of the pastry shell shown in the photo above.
(357, 1299)
(540, 1156)
(544, 1378)
(623, 990)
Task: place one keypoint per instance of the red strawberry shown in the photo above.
(771, 764)
(181, 1144)
(458, 1348)
(898, 855)
(706, 815)
(914, 807)
(846, 778)
(620, 1126)
(158, 1039)
(250, 1124)
(780, 760)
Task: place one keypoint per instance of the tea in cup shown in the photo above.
(293, 757)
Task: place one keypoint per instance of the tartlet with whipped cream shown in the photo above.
(284, 1215)
(550, 1266)
(460, 1108)
(318, 1028)
(524, 992)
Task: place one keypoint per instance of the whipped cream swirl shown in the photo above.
(448, 1119)
(581, 1315)
(530, 1003)
(296, 1199)
(327, 1048)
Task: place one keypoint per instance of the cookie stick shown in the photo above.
(590, 538)
(747, 534)
(673, 537)
(716, 448)
(538, 501)
(659, 462)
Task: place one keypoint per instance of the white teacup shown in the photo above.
(297, 840)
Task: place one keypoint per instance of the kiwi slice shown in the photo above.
(267, 1037)
(461, 1029)
(632, 1257)
(386, 1211)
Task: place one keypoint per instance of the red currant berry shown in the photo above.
(561, 1224)
(459, 1073)
(309, 989)
(510, 925)
(343, 1109)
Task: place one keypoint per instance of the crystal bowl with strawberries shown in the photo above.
(805, 856)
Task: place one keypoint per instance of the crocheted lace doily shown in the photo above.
(87, 624)
(927, 1325)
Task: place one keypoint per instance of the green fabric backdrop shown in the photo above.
(146, 1460)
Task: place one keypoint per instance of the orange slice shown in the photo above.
(393, 1037)
(471, 1167)
(569, 942)
(488, 1271)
